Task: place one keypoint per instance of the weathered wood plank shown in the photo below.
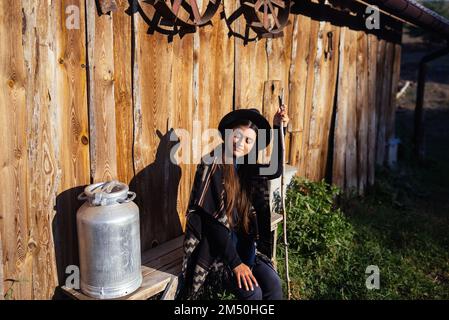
(395, 69)
(213, 68)
(162, 76)
(170, 290)
(340, 133)
(381, 64)
(311, 157)
(272, 91)
(251, 68)
(167, 248)
(385, 101)
(309, 94)
(329, 101)
(100, 48)
(351, 120)
(123, 91)
(73, 128)
(297, 85)
(14, 217)
(180, 175)
(372, 114)
(362, 106)
(43, 144)
(279, 55)
(322, 102)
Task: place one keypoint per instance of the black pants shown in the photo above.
(270, 287)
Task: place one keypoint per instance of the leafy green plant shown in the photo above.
(331, 246)
(315, 225)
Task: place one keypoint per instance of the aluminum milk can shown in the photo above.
(109, 241)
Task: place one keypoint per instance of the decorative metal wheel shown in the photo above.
(188, 12)
(267, 17)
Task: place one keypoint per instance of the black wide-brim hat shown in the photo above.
(254, 116)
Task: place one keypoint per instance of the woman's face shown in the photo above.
(242, 140)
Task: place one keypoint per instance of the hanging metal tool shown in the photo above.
(284, 215)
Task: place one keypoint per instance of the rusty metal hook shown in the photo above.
(330, 49)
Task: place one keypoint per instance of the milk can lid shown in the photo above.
(105, 193)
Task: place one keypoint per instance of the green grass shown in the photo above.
(393, 227)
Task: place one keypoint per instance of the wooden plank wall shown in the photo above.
(45, 129)
(365, 110)
(99, 102)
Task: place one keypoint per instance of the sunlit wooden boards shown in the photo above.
(122, 38)
(109, 41)
(46, 136)
(14, 158)
(73, 130)
(298, 75)
(250, 64)
(321, 101)
(313, 74)
(213, 77)
(364, 132)
(345, 147)
(163, 99)
(100, 48)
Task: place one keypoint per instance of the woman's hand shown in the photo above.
(281, 115)
(245, 276)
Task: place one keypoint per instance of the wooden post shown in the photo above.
(419, 113)
(418, 137)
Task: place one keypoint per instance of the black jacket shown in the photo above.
(207, 222)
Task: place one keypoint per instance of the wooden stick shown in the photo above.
(403, 89)
(287, 275)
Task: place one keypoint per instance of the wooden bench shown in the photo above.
(160, 269)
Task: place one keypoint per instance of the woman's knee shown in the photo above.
(269, 281)
(273, 290)
(255, 294)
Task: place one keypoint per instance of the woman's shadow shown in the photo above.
(157, 193)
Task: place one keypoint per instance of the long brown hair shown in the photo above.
(237, 188)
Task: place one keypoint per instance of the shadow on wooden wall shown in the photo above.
(65, 234)
(157, 188)
(155, 21)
